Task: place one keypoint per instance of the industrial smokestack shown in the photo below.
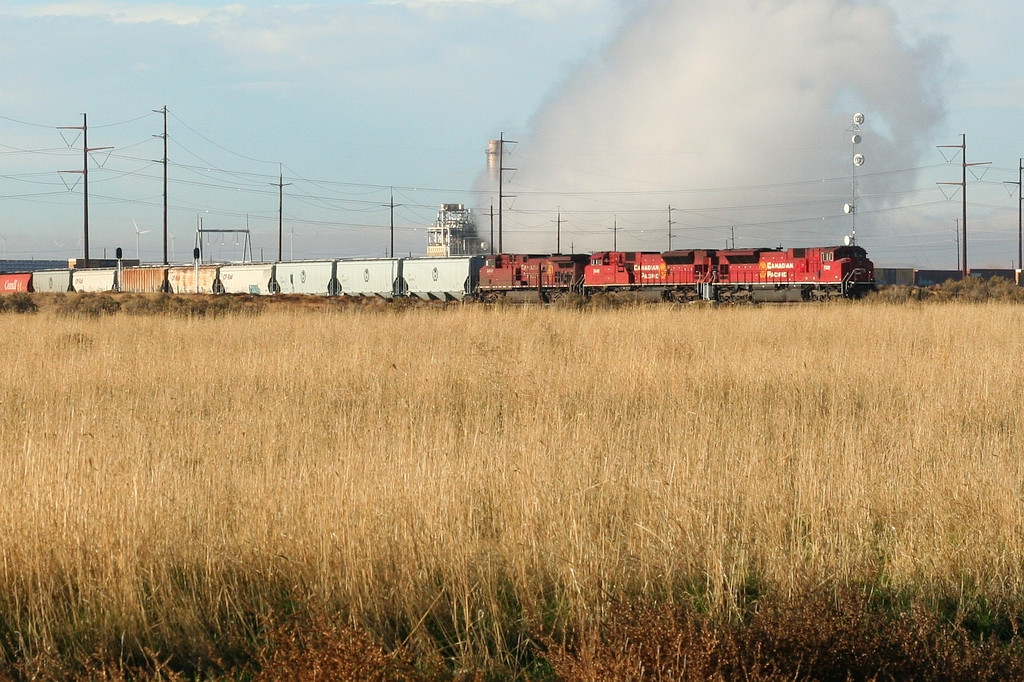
(493, 162)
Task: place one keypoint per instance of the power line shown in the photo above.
(85, 178)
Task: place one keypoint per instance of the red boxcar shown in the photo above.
(139, 280)
(15, 283)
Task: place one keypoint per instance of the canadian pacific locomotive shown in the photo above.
(731, 274)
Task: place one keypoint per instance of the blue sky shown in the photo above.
(732, 112)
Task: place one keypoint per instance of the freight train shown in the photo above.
(768, 274)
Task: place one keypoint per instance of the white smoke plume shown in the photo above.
(738, 114)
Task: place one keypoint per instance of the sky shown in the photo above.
(332, 128)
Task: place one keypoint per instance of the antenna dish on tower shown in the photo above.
(848, 208)
(858, 159)
(855, 139)
(858, 118)
(847, 240)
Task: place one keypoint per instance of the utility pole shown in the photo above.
(558, 232)
(164, 136)
(392, 222)
(670, 227)
(1020, 223)
(963, 186)
(392, 205)
(280, 213)
(492, 227)
(501, 183)
(956, 238)
(85, 180)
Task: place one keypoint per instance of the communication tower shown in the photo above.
(858, 161)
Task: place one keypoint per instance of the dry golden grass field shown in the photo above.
(470, 492)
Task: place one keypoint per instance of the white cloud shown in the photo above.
(533, 9)
(715, 94)
(129, 13)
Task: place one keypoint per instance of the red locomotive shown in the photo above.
(531, 277)
(730, 274)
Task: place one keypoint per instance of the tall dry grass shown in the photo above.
(457, 481)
